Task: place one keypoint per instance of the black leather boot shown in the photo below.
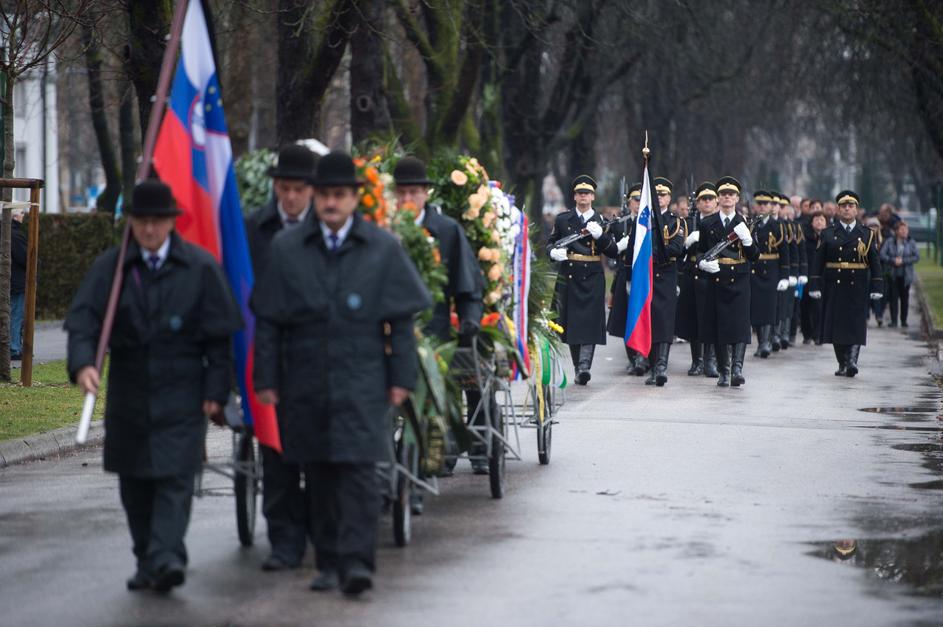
(586, 362)
(759, 340)
(842, 360)
(652, 362)
(723, 365)
(851, 360)
(575, 354)
(697, 360)
(661, 363)
(710, 361)
(633, 360)
(641, 365)
(765, 345)
(736, 369)
(784, 334)
(774, 337)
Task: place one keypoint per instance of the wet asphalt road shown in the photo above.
(674, 506)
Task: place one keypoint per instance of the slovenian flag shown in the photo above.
(194, 157)
(638, 319)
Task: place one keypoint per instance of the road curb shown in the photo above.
(49, 444)
(933, 334)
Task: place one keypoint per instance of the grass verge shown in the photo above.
(51, 402)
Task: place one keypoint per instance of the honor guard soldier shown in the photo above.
(769, 275)
(787, 298)
(283, 501)
(845, 274)
(580, 293)
(726, 320)
(335, 349)
(625, 235)
(693, 287)
(171, 367)
(665, 283)
(803, 270)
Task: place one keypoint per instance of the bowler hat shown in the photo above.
(336, 169)
(294, 162)
(411, 171)
(152, 198)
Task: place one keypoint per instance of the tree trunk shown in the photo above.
(96, 99)
(129, 151)
(369, 113)
(148, 24)
(237, 83)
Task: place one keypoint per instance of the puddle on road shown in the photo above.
(915, 562)
(908, 410)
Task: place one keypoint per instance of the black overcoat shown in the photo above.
(334, 331)
(847, 269)
(665, 277)
(771, 266)
(726, 317)
(693, 284)
(615, 325)
(465, 281)
(170, 351)
(580, 294)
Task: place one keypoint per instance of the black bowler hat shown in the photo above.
(705, 190)
(635, 192)
(294, 162)
(336, 169)
(584, 183)
(847, 196)
(729, 184)
(152, 198)
(662, 185)
(411, 171)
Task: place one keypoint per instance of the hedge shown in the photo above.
(68, 244)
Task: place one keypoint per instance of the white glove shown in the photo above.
(623, 243)
(876, 296)
(558, 254)
(712, 266)
(744, 234)
(678, 290)
(783, 285)
(793, 281)
(815, 295)
(594, 229)
(693, 238)
(803, 279)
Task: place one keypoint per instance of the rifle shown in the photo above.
(724, 244)
(623, 194)
(575, 237)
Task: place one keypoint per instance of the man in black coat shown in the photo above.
(580, 295)
(693, 287)
(770, 273)
(335, 349)
(624, 235)
(665, 283)
(846, 273)
(17, 283)
(787, 297)
(726, 320)
(171, 367)
(283, 502)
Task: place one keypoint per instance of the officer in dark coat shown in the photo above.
(787, 297)
(624, 235)
(171, 367)
(802, 279)
(335, 349)
(283, 501)
(693, 286)
(845, 274)
(580, 294)
(770, 273)
(665, 283)
(726, 320)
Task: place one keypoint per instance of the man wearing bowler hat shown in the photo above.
(171, 367)
(283, 502)
(335, 349)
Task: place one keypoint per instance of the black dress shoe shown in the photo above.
(326, 580)
(583, 377)
(168, 577)
(275, 563)
(139, 581)
(357, 580)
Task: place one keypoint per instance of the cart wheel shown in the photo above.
(402, 508)
(496, 459)
(246, 487)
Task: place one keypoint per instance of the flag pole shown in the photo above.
(144, 165)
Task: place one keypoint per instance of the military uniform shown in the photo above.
(283, 501)
(726, 321)
(170, 350)
(769, 270)
(845, 275)
(802, 278)
(615, 324)
(580, 292)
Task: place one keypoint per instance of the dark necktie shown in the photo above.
(153, 261)
(726, 222)
(335, 241)
(847, 228)
(291, 221)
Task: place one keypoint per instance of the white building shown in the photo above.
(36, 134)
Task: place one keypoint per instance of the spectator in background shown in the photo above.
(829, 210)
(878, 305)
(17, 284)
(899, 254)
(805, 207)
(681, 208)
(887, 214)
